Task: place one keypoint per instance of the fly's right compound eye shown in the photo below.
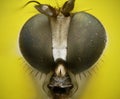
(86, 42)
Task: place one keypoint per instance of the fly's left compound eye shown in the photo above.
(36, 43)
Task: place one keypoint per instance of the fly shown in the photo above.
(61, 45)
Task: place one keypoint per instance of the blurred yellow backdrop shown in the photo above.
(15, 85)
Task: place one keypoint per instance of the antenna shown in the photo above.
(33, 1)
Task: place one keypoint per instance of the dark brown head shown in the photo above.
(63, 44)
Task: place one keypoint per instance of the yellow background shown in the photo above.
(15, 85)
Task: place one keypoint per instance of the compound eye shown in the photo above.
(86, 42)
(35, 43)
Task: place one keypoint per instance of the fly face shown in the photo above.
(61, 44)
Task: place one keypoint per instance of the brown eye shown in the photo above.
(86, 41)
(36, 43)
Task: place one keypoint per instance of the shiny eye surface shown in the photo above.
(36, 43)
(86, 41)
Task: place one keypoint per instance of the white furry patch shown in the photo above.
(60, 53)
(60, 27)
